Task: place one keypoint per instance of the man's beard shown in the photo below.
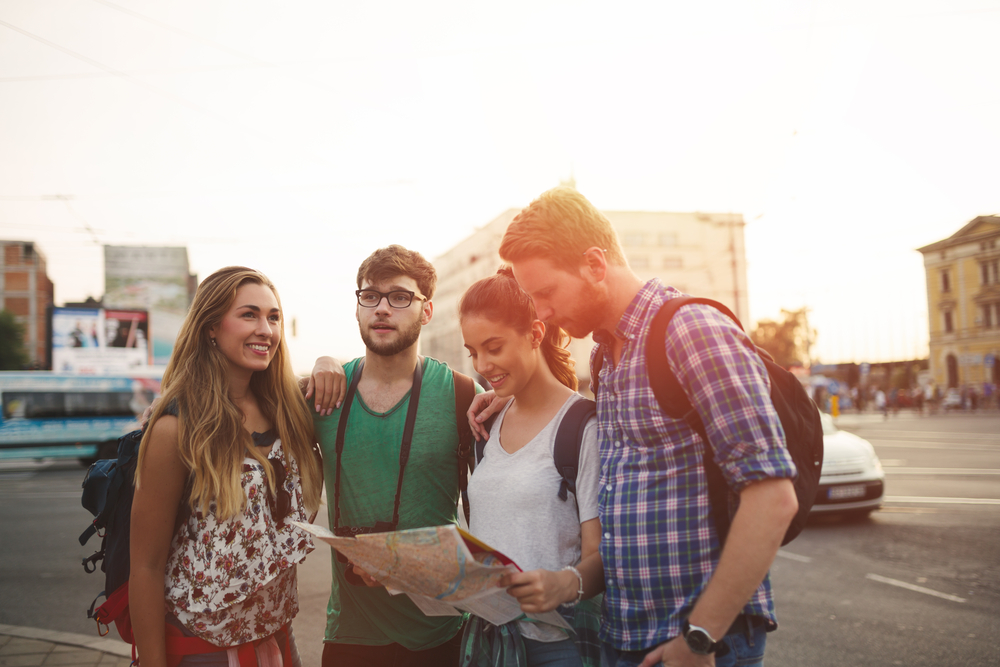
(404, 339)
(589, 318)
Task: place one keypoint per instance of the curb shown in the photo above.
(102, 644)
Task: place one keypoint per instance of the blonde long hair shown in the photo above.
(212, 442)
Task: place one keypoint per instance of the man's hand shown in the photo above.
(676, 653)
(539, 591)
(329, 384)
(483, 407)
(365, 577)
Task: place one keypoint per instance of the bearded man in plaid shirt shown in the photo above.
(673, 595)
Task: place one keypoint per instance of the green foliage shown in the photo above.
(13, 356)
(787, 341)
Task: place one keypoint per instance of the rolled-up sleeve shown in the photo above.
(727, 383)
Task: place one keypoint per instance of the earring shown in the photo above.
(214, 344)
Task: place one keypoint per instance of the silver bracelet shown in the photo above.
(579, 578)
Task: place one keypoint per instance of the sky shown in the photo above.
(297, 137)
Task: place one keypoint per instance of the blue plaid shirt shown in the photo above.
(659, 542)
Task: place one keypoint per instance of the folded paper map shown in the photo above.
(443, 569)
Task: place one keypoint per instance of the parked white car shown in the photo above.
(852, 480)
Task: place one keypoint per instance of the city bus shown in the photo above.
(45, 414)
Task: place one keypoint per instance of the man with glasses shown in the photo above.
(392, 461)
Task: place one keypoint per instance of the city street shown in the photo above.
(918, 583)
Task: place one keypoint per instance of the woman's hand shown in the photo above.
(329, 384)
(539, 591)
(483, 407)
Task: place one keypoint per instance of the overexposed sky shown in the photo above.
(296, 137)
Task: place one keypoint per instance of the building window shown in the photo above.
(673, 262)
(996, 271)
(945, 281)
(988, 316)
(668, 239)
(641, 262)
(949, 326)
(952, 363)
(633, 239)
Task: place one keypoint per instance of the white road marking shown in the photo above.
(795, 557)
(907, 444)
(943, 501)
(902, 470)
(914, 587)
(950, 435)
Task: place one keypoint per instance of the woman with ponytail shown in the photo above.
(513, 492)
(225, 465)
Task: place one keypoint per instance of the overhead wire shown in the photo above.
(229, 123)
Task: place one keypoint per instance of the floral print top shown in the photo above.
(234, 581)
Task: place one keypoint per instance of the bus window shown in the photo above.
(61, 405)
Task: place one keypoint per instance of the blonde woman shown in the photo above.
(226, 463)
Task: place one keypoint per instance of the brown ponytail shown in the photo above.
(557, 356)
(500, 299)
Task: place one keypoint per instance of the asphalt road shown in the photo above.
(919, 582)
(916, 584)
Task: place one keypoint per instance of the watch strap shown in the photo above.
(707, 647)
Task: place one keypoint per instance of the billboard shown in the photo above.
(96, 340)
(154, 279)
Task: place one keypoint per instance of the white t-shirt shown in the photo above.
(515, 506)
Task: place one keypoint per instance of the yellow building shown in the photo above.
(963, 304)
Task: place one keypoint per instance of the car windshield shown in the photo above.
(829, 428)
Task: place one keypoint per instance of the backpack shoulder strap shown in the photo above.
(569, 438)
(465, 392)
(675, 403)
(668, 391)
(596, 364)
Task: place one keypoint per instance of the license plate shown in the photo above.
(845, 492)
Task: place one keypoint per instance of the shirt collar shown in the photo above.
(633, 320)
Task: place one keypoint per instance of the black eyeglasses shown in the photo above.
(400, 298)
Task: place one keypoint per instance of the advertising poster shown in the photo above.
(154, 279)
(96, 341)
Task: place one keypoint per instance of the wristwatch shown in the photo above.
(698, 639)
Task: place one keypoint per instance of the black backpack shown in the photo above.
(797, 412)
(108, 489)
(566, 450)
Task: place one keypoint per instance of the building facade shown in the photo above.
(963, 304)
(698, 253)
(27, 292)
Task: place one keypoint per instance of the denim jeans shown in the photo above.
(552, 654)
(746, 649)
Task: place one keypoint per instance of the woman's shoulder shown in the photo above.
(165, 426)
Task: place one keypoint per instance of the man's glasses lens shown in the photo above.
(397, 299)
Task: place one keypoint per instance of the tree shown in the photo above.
(13, 356)
(787, 341)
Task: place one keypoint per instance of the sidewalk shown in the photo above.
(30, 647)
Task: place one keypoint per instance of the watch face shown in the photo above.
(698, 641)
